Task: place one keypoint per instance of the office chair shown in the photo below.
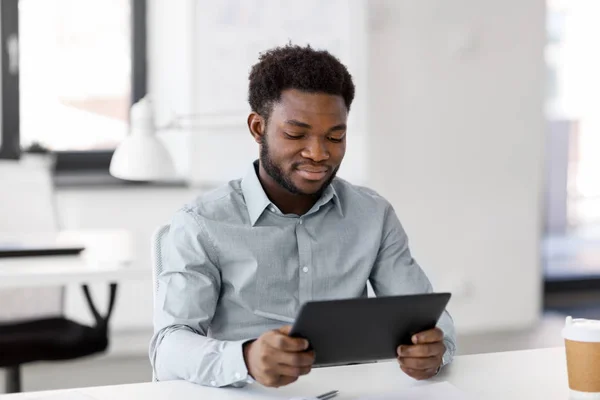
(157, 264)
(32, 325)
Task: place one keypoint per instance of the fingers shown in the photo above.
(422, 360)
(278, 374)
(421, 363)
(421, 350)
(285, 330)
(304, 359)
(281, 341)
(286, 380)
(277, 380)
(419, 374)
(430, 336)
(293, 372)
(276, 360)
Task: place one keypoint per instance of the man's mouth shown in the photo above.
(313, 173)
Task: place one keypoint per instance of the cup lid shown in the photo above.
(581, 330)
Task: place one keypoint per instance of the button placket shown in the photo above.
(304, 259)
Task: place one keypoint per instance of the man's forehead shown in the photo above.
(295, 103)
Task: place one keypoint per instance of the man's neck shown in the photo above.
(288, 203)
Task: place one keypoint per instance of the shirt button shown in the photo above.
(238, 375)
(305, 269)
(213, 383)
(300, 221)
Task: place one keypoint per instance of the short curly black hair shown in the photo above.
(296, 67)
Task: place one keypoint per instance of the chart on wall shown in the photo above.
(230, 35)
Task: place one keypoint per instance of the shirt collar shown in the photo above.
(254, 195)
(257, 200)
(330, 194)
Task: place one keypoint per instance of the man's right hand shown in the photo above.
(275, 359)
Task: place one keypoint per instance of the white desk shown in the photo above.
(107, 258)
(522, 375)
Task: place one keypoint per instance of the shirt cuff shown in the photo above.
(448, 354)
(234, 372)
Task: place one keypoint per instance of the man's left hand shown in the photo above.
(423, 358)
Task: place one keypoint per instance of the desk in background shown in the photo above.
(107, 258)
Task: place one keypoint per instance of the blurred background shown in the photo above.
(477, 119)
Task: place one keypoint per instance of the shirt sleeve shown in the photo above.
(185, 302)
(396, 272)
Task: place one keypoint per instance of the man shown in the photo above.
(239, 261)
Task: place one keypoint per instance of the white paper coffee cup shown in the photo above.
(582, 346)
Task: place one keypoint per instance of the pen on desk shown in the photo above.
(328, 395)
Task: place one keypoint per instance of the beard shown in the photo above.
(284, 180)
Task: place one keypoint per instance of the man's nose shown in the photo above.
(316, 150)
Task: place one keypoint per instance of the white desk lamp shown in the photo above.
(142, 156)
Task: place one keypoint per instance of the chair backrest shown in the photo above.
(157, 256)
(28, 207)
(156, 251)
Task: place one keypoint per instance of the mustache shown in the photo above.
(312, 165)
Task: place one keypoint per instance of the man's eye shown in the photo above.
(336, 140)
(293, 136)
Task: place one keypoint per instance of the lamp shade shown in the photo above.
(142, 156)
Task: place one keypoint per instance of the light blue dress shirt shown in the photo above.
(235, 266)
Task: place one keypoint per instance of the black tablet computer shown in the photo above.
(366, 329)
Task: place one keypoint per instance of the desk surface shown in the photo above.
(532, 375)
(107, 258)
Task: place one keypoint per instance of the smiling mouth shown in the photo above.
(313, 174)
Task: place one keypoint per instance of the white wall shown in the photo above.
(456, 144)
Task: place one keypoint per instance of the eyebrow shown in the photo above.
(340, 127)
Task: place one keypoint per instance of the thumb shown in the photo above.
(285, 329)
(300, 342)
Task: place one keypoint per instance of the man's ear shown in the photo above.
(256, 126)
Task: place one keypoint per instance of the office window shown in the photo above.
(81, 64)
(573, 63)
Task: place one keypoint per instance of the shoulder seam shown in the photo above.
(229, 192)
(202, 226)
